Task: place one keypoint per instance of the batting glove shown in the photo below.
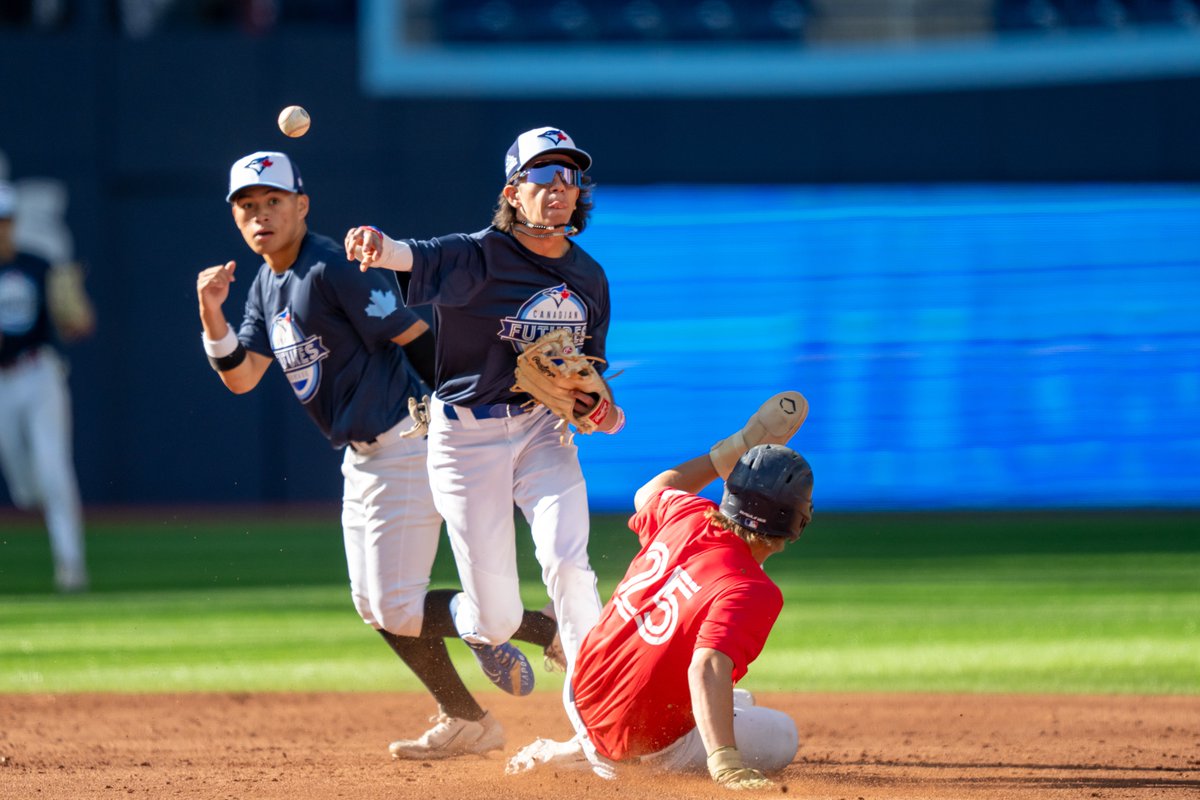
(726, 768)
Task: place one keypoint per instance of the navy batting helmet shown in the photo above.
(769, 491)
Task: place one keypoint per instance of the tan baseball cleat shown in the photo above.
(775, 422)
(452, 737)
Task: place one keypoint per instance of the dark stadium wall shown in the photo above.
(142, 132)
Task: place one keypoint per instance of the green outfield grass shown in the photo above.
(1095, 602)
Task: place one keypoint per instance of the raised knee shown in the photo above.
(772, 743)
(402, 618)
(497, 625)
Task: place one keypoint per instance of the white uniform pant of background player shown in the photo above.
(479, 467)
(767, 740)
(35, 452)
(391, 531)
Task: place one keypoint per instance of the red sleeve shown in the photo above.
(739, 621)
(661, 508)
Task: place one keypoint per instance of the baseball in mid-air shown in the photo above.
(294, 121)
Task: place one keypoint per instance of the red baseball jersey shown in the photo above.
(692, 585)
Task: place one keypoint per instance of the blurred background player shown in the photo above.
(345, 344)
(39, 305)
(654, 681)
(493, 293)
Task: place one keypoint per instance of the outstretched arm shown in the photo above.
(370, 247)
(774, 422)
(691, 476)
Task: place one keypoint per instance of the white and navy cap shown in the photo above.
(264, 168)
(8, 200)
(539, 142)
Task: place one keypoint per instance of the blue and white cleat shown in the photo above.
(505, 666)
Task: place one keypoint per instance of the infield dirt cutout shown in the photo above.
(852, 747)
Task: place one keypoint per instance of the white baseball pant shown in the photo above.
(36, 455)
(767, 740)
(478, 468)
(391, 530)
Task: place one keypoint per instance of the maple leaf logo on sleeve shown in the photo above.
(382, 303)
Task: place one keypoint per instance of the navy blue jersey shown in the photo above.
(330, 328)
(24, 316)
(491, 297)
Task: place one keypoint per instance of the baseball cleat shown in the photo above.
(505, 666)
(451, 737)
(562, 755)
(71, 579)
(775, 422)
(554, 658)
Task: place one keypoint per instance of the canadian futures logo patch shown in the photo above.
(300, 357)
(556, 307)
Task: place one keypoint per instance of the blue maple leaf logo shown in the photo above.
(382, 304)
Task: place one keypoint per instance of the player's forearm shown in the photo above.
(710, 681)
(691, 476)
(239, 369)
(242, 378)
(213, 321)
(614, 421)
(394, 255)
(371, 247)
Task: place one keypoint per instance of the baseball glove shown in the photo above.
(70, 308)
(551, 370)
(418, 411)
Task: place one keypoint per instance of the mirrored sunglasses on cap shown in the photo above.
(543, 175)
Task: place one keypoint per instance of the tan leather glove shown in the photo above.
(418, 411)
(551, 370)
(726, 768)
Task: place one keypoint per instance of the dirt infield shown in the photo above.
(853, 747)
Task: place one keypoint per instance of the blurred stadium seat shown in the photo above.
(683, 21)
(1032, 15)
(564, 21)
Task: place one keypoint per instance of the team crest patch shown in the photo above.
(556, 307)
(300, 357)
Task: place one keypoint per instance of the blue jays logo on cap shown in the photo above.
(530, 144)
(264, 168)
(259, 164)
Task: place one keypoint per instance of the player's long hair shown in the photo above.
(748, 536)
(506, 216)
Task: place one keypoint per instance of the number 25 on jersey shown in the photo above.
(656, 624)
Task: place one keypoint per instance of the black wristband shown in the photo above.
(231, 361)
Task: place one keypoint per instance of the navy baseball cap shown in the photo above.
(8, 200)
(264, 168)
(539, 142)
